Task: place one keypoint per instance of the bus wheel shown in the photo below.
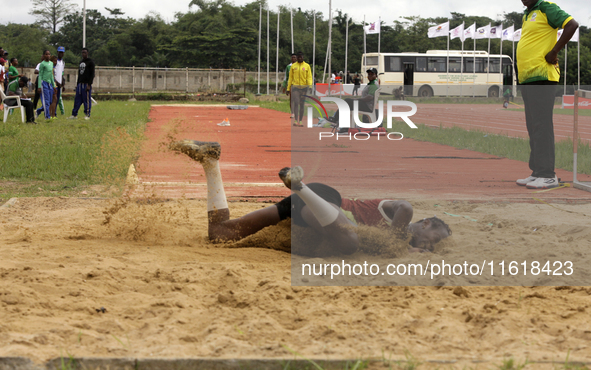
(425, 92)
(493, 92)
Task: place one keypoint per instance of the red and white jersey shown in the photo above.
(367, 212)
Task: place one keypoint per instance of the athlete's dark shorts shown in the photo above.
(292, 206)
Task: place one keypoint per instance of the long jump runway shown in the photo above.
(258, 143)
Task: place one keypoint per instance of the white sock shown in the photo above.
(216, 196)
(322, 210)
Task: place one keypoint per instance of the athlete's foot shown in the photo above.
(292, 177)
(198, 150)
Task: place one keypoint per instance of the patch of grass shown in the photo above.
(512, 364)
(63, 154)
(498, 145)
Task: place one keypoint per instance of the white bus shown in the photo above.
(425, 74)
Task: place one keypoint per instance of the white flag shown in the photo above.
(457, 32)
(508, 33)
(483, 32)
(441, 30)
(470, 32)
(495, 32)
(575, 37)
(372, 28)
(517, 35)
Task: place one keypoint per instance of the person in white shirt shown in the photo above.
(60, 80)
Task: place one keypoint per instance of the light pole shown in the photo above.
(84, 25)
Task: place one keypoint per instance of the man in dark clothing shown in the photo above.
(84, 86)
(15, 88)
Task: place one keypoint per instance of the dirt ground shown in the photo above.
(168, 293)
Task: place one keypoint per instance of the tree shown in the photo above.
(51, 13)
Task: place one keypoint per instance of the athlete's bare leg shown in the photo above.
(220, 227)
(324, 217)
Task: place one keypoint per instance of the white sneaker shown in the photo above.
(523, 182)
(87, 117)
(73, 117)
(543, 183)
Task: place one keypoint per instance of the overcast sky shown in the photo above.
(389, 10)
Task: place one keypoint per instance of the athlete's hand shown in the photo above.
(552, 57)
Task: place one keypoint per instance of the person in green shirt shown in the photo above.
(12, 71)
(366, 101)
(46, 84)
(538, 74)
(15, 88)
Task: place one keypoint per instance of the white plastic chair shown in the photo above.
(7, 108)
(372, 114)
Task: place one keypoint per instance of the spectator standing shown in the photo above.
(37, 95)
(13, 74)
(538, 73)
(357, 83)
(46, 84)
(60, 80)
(4, 56)
(300, 80)
(286, 79)
(84, 86)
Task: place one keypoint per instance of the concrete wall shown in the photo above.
(113, 79)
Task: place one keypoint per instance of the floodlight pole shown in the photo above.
(329, 44)
(84, 24)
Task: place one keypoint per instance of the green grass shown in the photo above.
(483, 142)
(62, 156)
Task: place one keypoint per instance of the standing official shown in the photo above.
(538, 73)
(300, 80)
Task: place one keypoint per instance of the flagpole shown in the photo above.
(513, 63)
(379, 38)
(291, 15)
(325, 63)
(259, 68)
(267, 51)
(447, 89)
(346, 52)
(579, 64)
(474, 66)
(364, 47)
(277, 55)
(462, 61)
(488, 61)
(501, 64)
(314, 51)
(565, 64)
(329, 43)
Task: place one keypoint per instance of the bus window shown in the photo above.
(371, 61)
(495, 65)
(393, 64)
(455, 65)
(436, 65)
(469, 65)
(421, 64)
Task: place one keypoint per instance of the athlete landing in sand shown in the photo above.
(314, 205)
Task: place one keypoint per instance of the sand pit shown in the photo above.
(168, 293)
